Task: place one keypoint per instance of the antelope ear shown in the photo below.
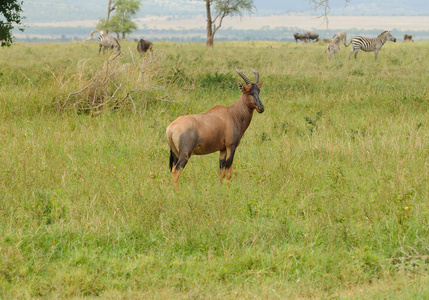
(241, 87)
(261, 85)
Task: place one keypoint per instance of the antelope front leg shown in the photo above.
(222, 160)
(228, 163)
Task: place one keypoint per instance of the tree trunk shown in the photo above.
(108, 15)
(210, 36)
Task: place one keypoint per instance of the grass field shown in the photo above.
(330, 188)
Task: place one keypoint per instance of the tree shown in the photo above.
(125, 11)
(109, 10)
(103, 24)
(121, 22)
(222, 9)
(324, 5)
(11, 12)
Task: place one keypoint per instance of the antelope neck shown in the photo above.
(241, 113)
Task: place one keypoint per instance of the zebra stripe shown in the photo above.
(108, 41)
(369, 45)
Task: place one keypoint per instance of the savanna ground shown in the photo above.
(330, 188)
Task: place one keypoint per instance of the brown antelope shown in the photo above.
(144, 45)
(408, 38)
(299, 36)
(219, 129)
(311, 36)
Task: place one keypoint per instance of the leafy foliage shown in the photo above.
(121, 22)
(232, 7)
(223, 8)
(11, 11)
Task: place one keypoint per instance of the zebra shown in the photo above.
(342, 35)
(368, 45)
(108, 41)
(333, 47)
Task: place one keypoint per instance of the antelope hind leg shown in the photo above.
(177, 169)
(176, 174)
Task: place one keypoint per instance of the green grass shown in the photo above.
(329, 195)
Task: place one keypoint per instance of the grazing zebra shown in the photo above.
(342, 35)
(108, 41)
(368, 45)
(333, 47)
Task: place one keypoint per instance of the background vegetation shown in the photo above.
(267, 33)
(329, 195)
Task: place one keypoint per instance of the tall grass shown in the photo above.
(328, 197)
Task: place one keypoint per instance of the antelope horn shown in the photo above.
(256, 76)
(243, 76)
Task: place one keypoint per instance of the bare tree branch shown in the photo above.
(91, 34)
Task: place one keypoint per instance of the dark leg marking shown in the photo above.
(173, 160)
(222, 163)
(181, 163)
(229, 161)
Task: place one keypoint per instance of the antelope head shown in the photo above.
(252, 89)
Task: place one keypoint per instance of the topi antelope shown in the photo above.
(219, 129)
